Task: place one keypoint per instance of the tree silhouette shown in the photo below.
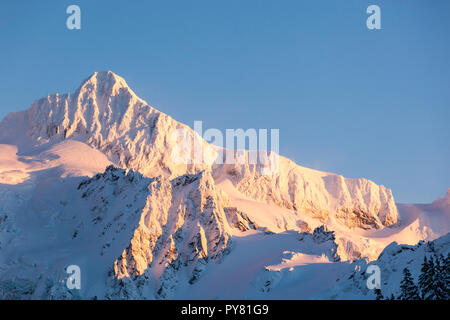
(426, 279)
(378, 294)
(409, 290)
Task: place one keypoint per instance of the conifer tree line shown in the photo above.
(433, 282)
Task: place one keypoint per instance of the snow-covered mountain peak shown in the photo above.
(104, 81)
(102, 87)
(105, 114)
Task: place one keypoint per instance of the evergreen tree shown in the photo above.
(447, 275)
(409, 290)
(434, 279)
(378, 294)
(426, 279)
(447, 263)
(440, 284)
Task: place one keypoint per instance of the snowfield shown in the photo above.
(88, 179)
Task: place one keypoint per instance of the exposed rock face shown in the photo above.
(180, 224)
(239, 220)
(362, 203)
(324, 238)
(354, 202)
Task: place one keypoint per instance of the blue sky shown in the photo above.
(358, 102)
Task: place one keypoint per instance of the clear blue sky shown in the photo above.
(360, 103)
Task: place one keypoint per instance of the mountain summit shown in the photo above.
(107, 115)
(106, 81)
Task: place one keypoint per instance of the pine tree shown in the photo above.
(426, 279)
(440, 281)
(378, 294)
(409, 290)
(434, 280)
(447, 275)
(447, 263)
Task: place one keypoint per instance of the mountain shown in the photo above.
(100, 179)
(106, 114)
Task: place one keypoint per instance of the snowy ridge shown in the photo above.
(356, 203)
(106, 114)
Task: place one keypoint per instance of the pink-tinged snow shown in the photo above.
(72, 157)
(293, 259)
(12, 171)
(417, 222)
(238, 276)
(272, 217)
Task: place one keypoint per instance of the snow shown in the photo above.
(272, 217)
(234, 277)
(394, 258)
(71, 157)
(416, 222)
(106, 114)
(12, 171)
(148, 227)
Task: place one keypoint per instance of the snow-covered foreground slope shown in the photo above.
(150, 227)
(391, 262)
(138, 237)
